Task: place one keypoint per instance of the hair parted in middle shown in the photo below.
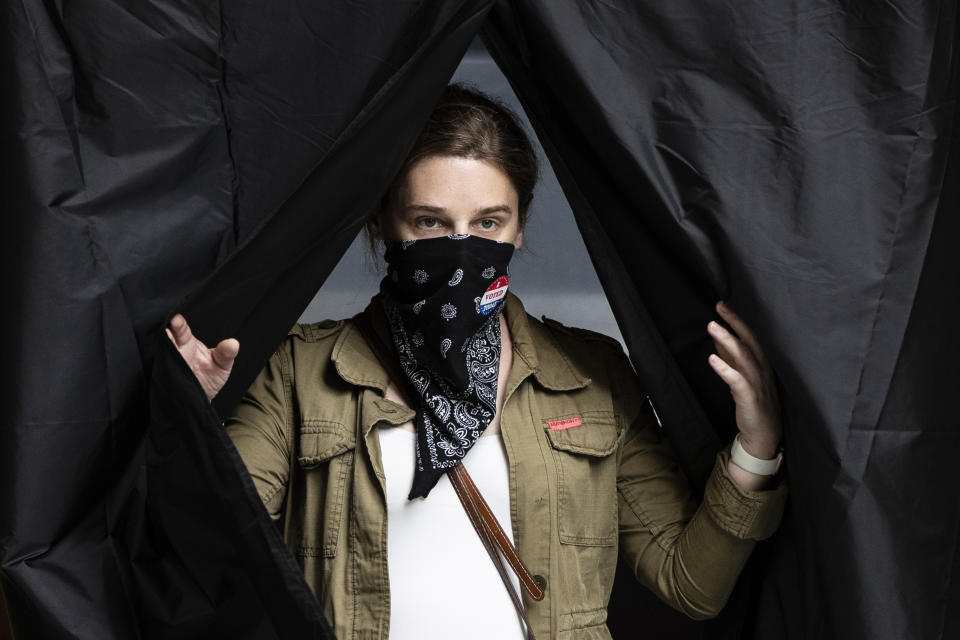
(467, 123)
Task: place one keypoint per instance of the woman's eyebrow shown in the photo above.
(500, 208)
(424, 207)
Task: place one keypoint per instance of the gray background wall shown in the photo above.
(551, 274)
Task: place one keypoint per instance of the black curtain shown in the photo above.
(795, 158)
(798, 159)
(213, 158)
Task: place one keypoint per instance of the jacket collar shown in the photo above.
(533, 347)
(537, 349)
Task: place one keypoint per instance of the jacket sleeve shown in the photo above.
(689, 555)
(259, 430)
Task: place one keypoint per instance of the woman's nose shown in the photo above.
(461, 227)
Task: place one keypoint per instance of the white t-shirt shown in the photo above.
(443, 583)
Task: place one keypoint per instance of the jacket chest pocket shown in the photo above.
(325, 462)
(584, 449)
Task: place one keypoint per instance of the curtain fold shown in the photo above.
(796, 158)
(215, 159)
(792, 158)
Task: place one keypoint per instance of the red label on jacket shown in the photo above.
(560, 425)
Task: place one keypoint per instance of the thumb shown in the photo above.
(225, 353)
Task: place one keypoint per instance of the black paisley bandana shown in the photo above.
(443, 298)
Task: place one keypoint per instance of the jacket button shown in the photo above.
(541, 581)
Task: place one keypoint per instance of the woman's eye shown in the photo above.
(428, 223)
(488, 225)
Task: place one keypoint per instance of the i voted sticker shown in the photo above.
(494, 294)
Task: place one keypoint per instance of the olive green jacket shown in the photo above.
(578, 495)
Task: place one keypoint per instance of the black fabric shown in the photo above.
(211, 159)
(443, 298)
(795, 158)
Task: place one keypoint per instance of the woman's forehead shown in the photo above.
(448, 181)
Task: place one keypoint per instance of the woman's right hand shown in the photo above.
(210, 366)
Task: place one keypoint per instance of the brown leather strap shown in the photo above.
(459, 475)
(488, 529)
(473, 513)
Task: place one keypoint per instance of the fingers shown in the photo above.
(722, 351)
(179, 331)
(735, 380)
(749, 379)
(225, 353)
(745, 332)
(734, 353)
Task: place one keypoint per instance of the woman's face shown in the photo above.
(445, 195)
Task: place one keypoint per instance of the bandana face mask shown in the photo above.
(443, 298)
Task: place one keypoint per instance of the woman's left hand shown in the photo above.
(742, 364)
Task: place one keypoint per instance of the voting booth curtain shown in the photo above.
(796, 158)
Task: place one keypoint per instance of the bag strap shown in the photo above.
(472, 501)
(484, 522)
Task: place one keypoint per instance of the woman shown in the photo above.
(549, 420)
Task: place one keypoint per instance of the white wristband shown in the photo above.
(747, 462)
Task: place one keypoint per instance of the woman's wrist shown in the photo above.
(746, 480)
(749, 470)
(762, 448)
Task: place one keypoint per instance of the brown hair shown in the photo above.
(466, 123)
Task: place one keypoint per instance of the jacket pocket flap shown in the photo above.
(321, 440)
(590, 433)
